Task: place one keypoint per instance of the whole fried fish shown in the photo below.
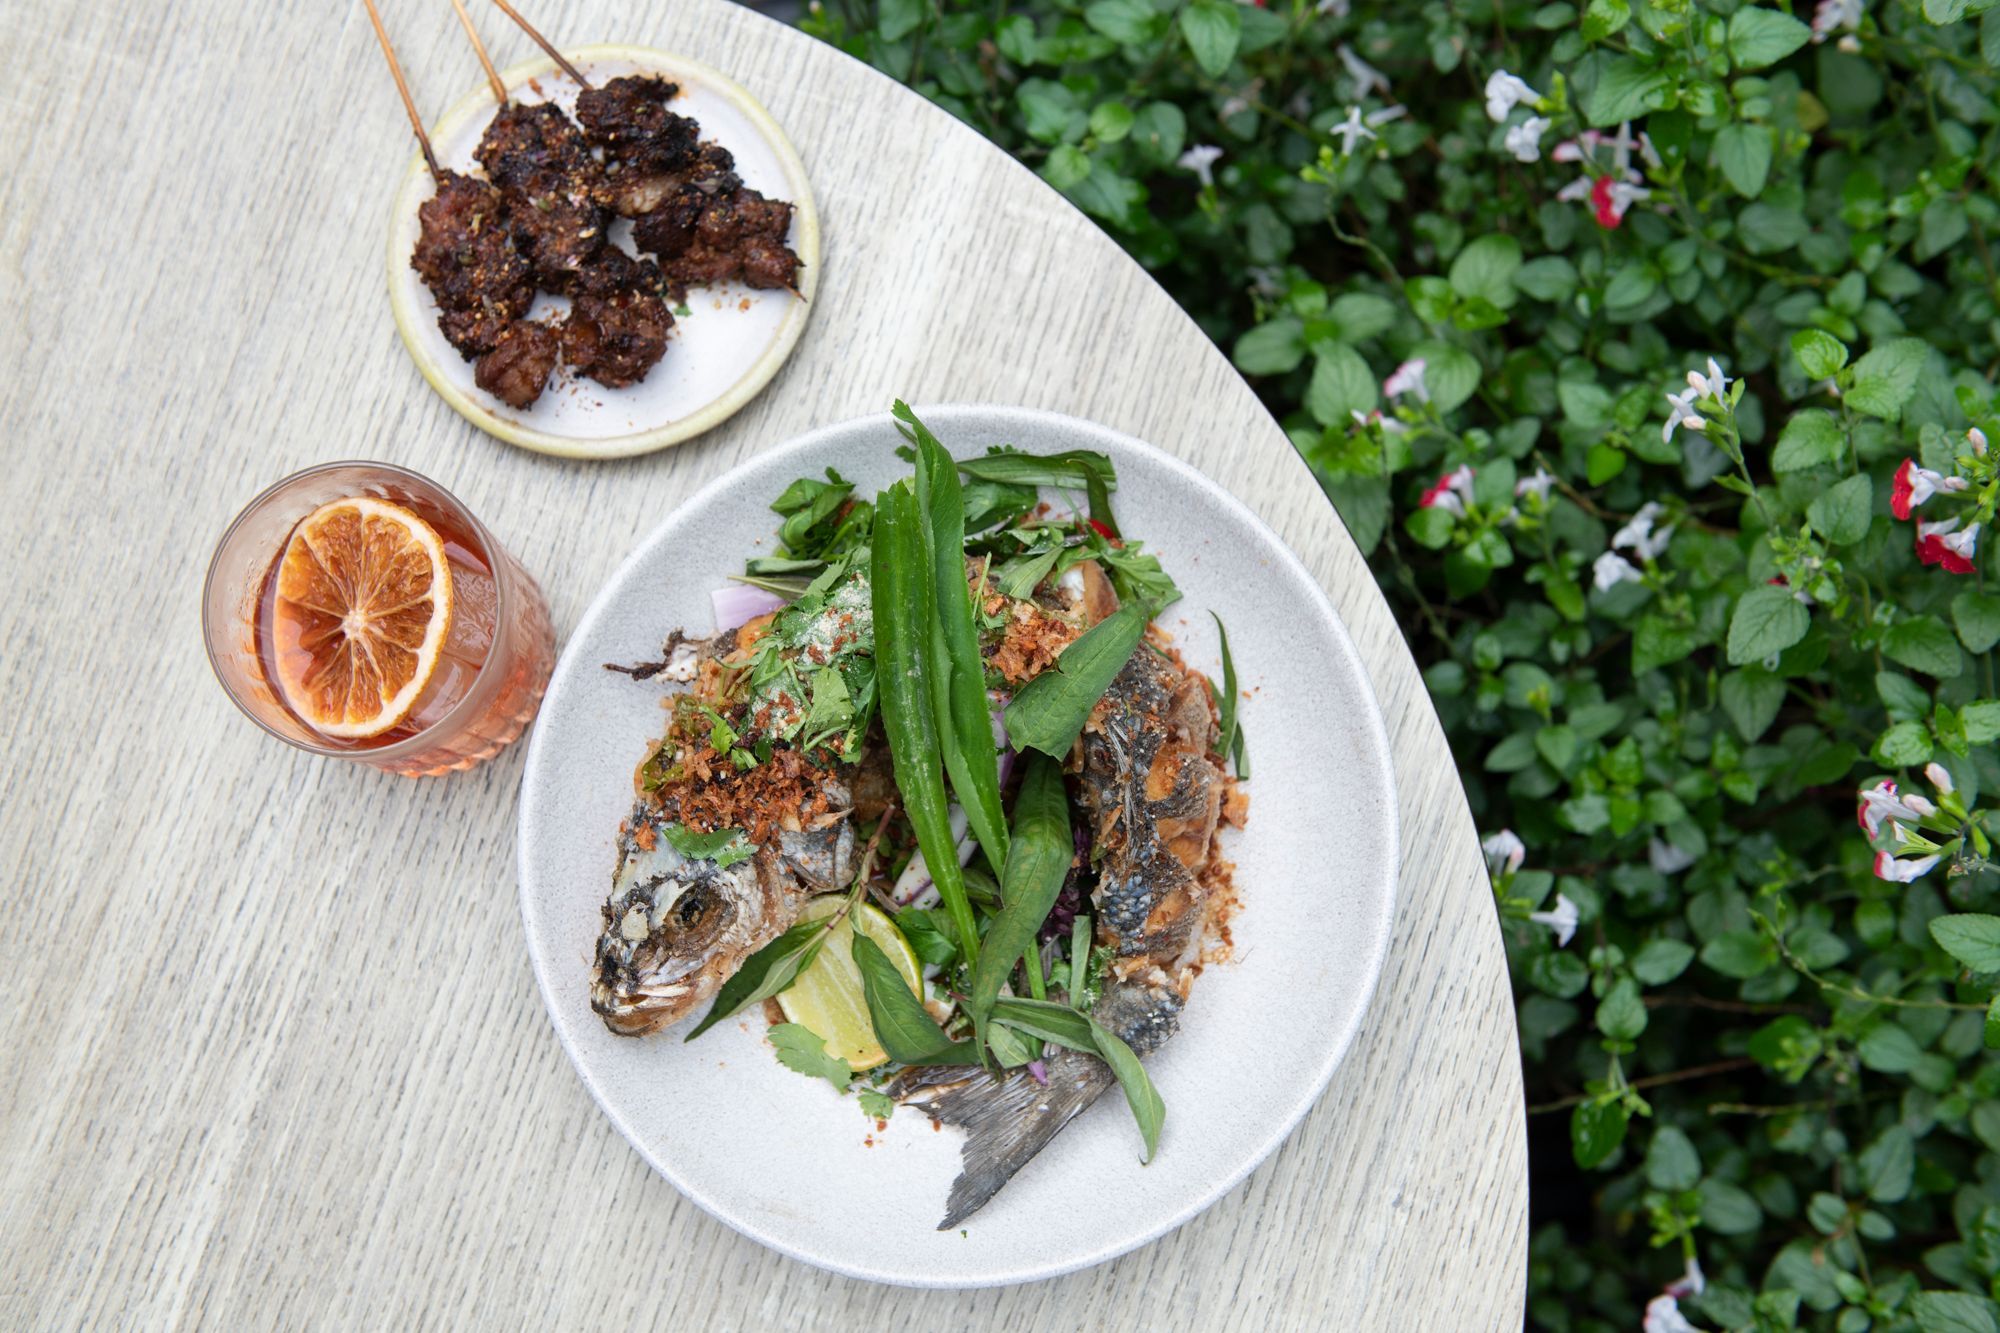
(676, 928)
(1153, 794)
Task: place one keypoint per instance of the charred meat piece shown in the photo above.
(553, 188)
(618, 321)
(668, 227)
(467, 257)
(647, 147)
(519, 365)
(740, 235)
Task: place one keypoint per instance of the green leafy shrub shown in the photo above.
(1648, 347)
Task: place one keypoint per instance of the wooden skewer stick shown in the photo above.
(543, 42)
(485, 61)
(409, 105)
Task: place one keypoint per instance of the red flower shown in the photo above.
(1943, 545)
(1606, 207)
(1903, 491)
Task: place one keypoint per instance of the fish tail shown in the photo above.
(1007, 1120)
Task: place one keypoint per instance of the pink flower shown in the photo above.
(1914, 485)
(1407, 378)
(1504, 852)
(1881, 802)
(1902, 872)
(1944, 545)
(1449, 492)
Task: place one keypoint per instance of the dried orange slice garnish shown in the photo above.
(363, 605)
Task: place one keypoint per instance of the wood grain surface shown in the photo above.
(273, 1055)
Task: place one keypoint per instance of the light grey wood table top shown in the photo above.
(272, 1052)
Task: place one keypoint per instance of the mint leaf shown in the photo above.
(1767, 620)
(1820, 354)
(1841, 514)
(1973, 938)
(802, 1050)
(1885, 378)
(1760, 37)
(1952, 1312)
(1904, 745)
(1810, 439)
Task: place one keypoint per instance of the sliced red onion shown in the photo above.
(738, 604)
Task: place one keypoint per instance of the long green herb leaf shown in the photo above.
(765, 973)
(1049, 712)
(958, 678)
(1040, 858)
(1225, 703)
(1079, 958)
(902, 1026)
(1080, 1032)
(901, 601)
(1074, 468)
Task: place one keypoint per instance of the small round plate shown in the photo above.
(787, 1161)
(727, 341)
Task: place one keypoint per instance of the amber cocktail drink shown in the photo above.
(359, 610)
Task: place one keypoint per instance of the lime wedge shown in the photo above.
(827, 997)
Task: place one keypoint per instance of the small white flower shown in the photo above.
(1714, 384)
(1663, 1315)
(1613, 569)
(1902, 872)
(1383, 115)
(1407, 378)
(1682, 414)
(1524, 141)
(1351, 131)
(1649, 154)
(1562, 920)
(1201, 160)
(1940, 778)
(1833, 15)
(1504, 853)
(1335, 8)
(1504, 92)
(1366, 419)
(1361, 71)
(1667, 858)
(1638, 537)
(1977, 439)
(1691, 1282)
(1882, 801)
(1536, 485)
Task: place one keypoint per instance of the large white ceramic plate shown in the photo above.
(787, 1161)
(727, 347)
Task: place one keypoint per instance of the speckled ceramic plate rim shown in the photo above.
(402, 300)
(1369, 720)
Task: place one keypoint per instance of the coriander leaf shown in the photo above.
(901, 1024)
(1049, 712)
(724, 846)
(876, 1105)
(804, 1051)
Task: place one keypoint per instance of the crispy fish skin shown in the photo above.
(676, 928)
(1153, 793)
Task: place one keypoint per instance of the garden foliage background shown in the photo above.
(1682, 628)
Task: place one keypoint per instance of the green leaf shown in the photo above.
(958, 673)
(1728, 1210)
(1981, 720)
(1888, 1165)
(1888, 1048)
(802, 1050)
(724, 846)
(1067, 166)
(1739, 953)
(1486, 269)
(1767, 621)
(1357, 316)
(1810, 439)
(1977, 615)
(1595, 1131)
(905, 620)
(1040, 855)
(1841, 513)
(766, 972)
(1661, 960)
(1550, 278)
(1671, 1161)
(1973, 938)
(1627, 88)
(1066, 1027)
(1272, 348)
(1820, 354)
(1341, 384)
(1621, 1014)
(1227, 700)
(1127, 22)
(1159, 131)
(1603, 18)
(1075, 469)
(1212, 29)
(1952, 1312)
(1885, 378)
(876, 1105)
(1924, 643)
(1904, 745)
(1760, 37)
(1742, 153)
(1752, 697)
(1450, 373)
(897, 19)
(1049, 712)
(905, 1031)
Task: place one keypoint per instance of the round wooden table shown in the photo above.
(273, 1053)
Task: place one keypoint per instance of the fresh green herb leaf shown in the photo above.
(929, 934)
(1066, 1027)
(1040, 858)
(802, 1050)
(725, 846)
(772, 968)
(1010, 1049)
(1073, 468)
(958, 680)
(1225, 704)
(876, 1105)
(904, 625)
(807, 506)
(901, 1024)
(1049, 712)
(1079, 960)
